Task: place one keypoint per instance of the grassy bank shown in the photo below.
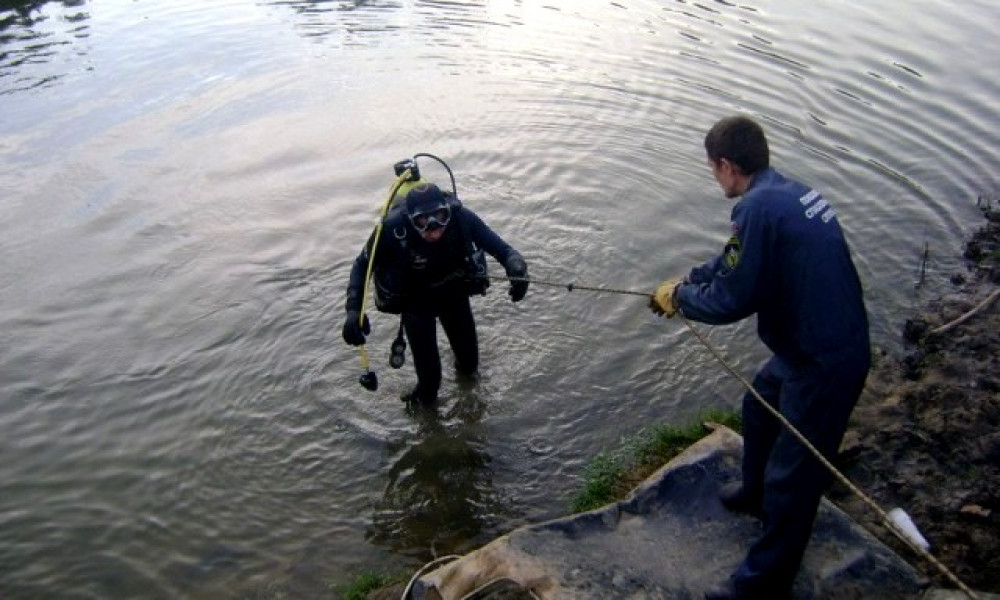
(366, 583)
(611, 476)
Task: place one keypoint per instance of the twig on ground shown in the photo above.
(979, 307)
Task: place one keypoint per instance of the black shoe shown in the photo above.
(735, 498)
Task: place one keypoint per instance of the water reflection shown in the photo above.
(439, 498)
(322, 18)
(362, 22)
(32, 35)
(317, 6)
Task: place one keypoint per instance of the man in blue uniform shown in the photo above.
(786, 261)
(429, 260)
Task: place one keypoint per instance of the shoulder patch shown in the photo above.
(731, 252)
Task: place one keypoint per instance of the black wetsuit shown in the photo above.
(427, 282)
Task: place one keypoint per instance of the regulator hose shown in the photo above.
(368, 379)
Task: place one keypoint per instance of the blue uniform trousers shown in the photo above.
(817, 401)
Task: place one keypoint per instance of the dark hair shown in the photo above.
(741, 141)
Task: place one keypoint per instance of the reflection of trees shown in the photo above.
(322, 18)
(363, 22)
(31, 35)
(439, 498)
(318, 6)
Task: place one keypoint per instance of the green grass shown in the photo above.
(363, 584)
(610, 476)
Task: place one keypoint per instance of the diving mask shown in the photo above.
(434, 218)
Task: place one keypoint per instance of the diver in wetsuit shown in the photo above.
(428, 261)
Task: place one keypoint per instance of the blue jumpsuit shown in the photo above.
(431, 282)
(787, 262)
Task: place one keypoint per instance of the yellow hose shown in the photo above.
(365, 364)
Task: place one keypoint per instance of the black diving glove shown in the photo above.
(517, 270)
(354, 330)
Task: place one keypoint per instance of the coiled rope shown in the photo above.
(447, 559)
(437, 561)
(886, 520)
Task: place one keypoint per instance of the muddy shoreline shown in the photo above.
(925, 435)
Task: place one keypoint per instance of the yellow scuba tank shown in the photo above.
(386, 282)
(404, 189)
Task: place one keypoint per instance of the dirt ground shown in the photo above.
(926, 433)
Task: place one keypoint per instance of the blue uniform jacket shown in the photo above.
(788, 262)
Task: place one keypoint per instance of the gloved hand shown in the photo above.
(517, 270)
(354, 330)
(663, 302)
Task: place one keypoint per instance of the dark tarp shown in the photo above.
(671, 539)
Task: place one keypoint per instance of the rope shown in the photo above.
(836, 473)
(424, 569)
(569, 286)
(470, 595)
(886, 520)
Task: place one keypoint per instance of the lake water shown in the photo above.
(185, 184)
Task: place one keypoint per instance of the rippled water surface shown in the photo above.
(183, 186)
